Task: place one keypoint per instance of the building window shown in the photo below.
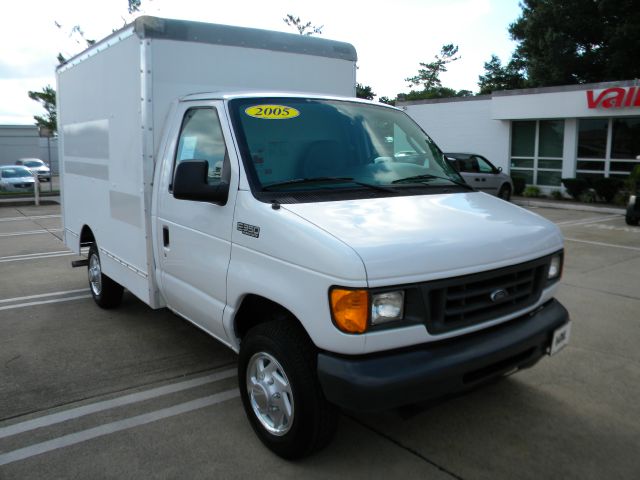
(536, 151)
(608, 147)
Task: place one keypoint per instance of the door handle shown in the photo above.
(165, 236)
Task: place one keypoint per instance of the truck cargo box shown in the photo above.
(113, 100)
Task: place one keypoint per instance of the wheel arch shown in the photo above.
(255, 309)
(86, 236)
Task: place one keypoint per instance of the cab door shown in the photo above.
(193, 238)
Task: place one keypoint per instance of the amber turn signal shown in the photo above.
(350, 309)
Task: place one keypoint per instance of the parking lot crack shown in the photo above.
(11, 360)
(405, 447)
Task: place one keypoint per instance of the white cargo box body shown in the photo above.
(113, 100)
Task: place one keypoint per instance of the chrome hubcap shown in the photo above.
(95, 275)
(270, 393)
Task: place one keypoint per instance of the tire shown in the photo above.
(630, 218)
(106, 293)
(280, 391)
(505, 192)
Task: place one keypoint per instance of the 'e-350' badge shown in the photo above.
(250, 230)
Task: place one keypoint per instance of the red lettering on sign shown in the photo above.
(615, 97)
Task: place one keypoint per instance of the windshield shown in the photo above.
(297, 145)
(32, 163)
(15, 172)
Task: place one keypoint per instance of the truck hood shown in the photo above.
(419, 238)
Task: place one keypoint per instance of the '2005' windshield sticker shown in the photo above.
(272, 112)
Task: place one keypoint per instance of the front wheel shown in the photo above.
(106, 293)
(280, 391)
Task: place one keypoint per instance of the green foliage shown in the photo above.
(531, 191)
(519, 184)
(633, 181)
(429, 75)
(47, 98)
(303, 28)
(575, 186)
(588, 196)
(387, 100)
(134, 5)
(496, 77)
(607, 188)
(557, 195)
(577, 41)
(364, 91)
(439, 92)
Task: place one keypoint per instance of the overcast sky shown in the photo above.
(391, 37)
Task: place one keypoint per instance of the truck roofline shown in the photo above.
(232, 95)
(149, 27)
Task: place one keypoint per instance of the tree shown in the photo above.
(429, 75)
(497, 77)
(47, 98)
(303, 28)
(577, 41)
(364, 91)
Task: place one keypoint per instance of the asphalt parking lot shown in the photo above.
(136, 393)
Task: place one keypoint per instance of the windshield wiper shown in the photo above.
(301, 181)
(427, 176)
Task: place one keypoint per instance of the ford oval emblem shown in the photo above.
(498, 295)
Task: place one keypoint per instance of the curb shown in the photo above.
(28, 202)
(568, 206)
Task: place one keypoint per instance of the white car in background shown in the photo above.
(38, 167)
(15, 178)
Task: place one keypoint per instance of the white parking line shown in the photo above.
(91, 433)
(35, 256)
(32, 217)
(33, 304)
(586, 221)
(30, 232)
(78, 412)
(42, 295)
(602, 244)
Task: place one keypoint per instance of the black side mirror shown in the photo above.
(499, 169)
(190, 183)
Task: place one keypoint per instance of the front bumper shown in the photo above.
(392, 379)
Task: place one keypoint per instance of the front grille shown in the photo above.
(460, 302)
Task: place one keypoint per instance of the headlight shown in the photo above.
(555, 267)
(387, 307)
(355, 310)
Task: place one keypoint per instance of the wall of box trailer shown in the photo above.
(101, 147)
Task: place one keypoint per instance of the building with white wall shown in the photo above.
(542, 134)
(24, 141)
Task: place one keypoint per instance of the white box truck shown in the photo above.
(322, 237)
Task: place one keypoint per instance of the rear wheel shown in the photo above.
(280, 391)
(505, 192)
(106, 293)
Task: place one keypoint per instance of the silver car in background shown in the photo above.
(38, 167)
(481, 174)
(15, 178)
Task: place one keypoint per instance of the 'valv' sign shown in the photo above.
(616, 97)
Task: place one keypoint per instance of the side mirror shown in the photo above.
(190, 183)
(499, 169)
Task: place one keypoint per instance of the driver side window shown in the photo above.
(483, 165)
(201, 139)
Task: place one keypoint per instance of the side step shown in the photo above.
(80, 263)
